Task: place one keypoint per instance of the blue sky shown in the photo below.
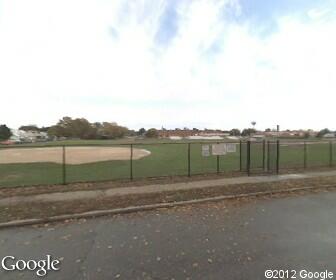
(176, 63)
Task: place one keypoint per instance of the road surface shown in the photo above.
(225, 240)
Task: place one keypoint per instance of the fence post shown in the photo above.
(278, 157)
(189, 160)
(305, 155)
(217, 157)
(240, 156)
(63, 165)
(268, 156)
(131, 163)
(248, 159)
(330, 153)
(264, 154)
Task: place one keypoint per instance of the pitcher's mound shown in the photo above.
(74, 155)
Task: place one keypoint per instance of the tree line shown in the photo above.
(81, 128)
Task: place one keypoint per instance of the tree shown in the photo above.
(33, 127)
(141, 131)
(44, 129)
(30, 127)
(5, 132)
(152, 133)
(248, 131)
(73, 128)
(81, 128)
(235, 132)
(323, 132)
(268, 130)
(112, 131)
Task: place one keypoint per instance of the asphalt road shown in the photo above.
(226, 240)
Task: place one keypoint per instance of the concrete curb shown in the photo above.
(99, 213)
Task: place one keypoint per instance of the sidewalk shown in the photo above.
(157, 188)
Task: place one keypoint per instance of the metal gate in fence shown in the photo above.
(259, 157)
(273, 156)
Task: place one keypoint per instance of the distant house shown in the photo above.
(17, 136)
(36, 136)
(21, 136)
(329, 135)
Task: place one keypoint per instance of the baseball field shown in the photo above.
(86, 161)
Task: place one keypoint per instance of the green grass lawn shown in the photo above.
(165, 160)
(317, 155)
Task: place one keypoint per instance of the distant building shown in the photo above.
(205, 137)
(210, 132)
(189, 133)
(21, 136)
(167, 133)
(233, 137)
(175, 137)
(329, 135)
(290, 133)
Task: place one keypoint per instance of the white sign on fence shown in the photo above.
(205, 150)
(231, 148)
(218, 149)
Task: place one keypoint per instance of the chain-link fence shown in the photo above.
(41, 165)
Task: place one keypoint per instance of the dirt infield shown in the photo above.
(74, 155)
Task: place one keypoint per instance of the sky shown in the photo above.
(169, 63)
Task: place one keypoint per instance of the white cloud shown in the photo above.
(61, 58)
(318, 13)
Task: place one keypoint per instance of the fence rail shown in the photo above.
(52, 164)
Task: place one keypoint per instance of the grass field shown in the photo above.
(165, 160)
